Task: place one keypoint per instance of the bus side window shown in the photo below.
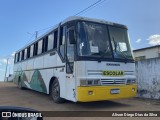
(62, 41)
(15, 58)
(39, 47)
(55, 39)
(35, 48)
(28, 52)
(31, 50)
(22, 57)
(45, 44)
(25, 54)
(50, 41)
(18, 57)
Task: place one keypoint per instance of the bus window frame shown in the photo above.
(68, 63)
(60, 37)
(84, 58)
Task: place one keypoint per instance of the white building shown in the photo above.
(9, 78)
(147, 53)
(147, 71)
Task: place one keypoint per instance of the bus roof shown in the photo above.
(72, 18)
(91, 20)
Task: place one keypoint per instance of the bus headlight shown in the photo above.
(131, 81)
(92, 82)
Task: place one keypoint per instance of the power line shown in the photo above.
(3, 57)
(44, 29)
(30, 38)
(36, 33)
(98, 4)
(82, 11)
(91, 6)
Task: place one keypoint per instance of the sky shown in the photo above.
(19, 19)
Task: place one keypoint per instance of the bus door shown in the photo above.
(70, 69)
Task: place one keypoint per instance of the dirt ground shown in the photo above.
(11, 95)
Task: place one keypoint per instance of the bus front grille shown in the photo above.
(113, 81)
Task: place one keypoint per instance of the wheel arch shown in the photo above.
(50, 83)
(59, 99)
(19, 79)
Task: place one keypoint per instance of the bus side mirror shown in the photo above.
(71, 37)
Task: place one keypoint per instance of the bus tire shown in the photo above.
(55, 92)
(20, 84)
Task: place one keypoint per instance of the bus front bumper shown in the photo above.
(99, 93)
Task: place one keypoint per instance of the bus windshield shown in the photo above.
(120, 43)
(94, 41)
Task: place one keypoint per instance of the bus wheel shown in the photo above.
(55, 92)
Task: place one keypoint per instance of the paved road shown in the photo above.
(11, 95)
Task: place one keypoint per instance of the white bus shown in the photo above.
(81, 60)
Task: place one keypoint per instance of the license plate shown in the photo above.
(115, 91)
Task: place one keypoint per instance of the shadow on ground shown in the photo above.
(94, 106)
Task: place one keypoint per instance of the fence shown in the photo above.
(148, 78)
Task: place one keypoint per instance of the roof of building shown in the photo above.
(146, 48)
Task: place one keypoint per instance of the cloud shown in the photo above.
(138, 40)
(132, 48)
(154, 39)
(4, 61)
(11, 60)
(13, 54)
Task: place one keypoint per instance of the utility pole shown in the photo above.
(6, 69)
(9, 71)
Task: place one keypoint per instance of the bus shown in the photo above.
(81, 60)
